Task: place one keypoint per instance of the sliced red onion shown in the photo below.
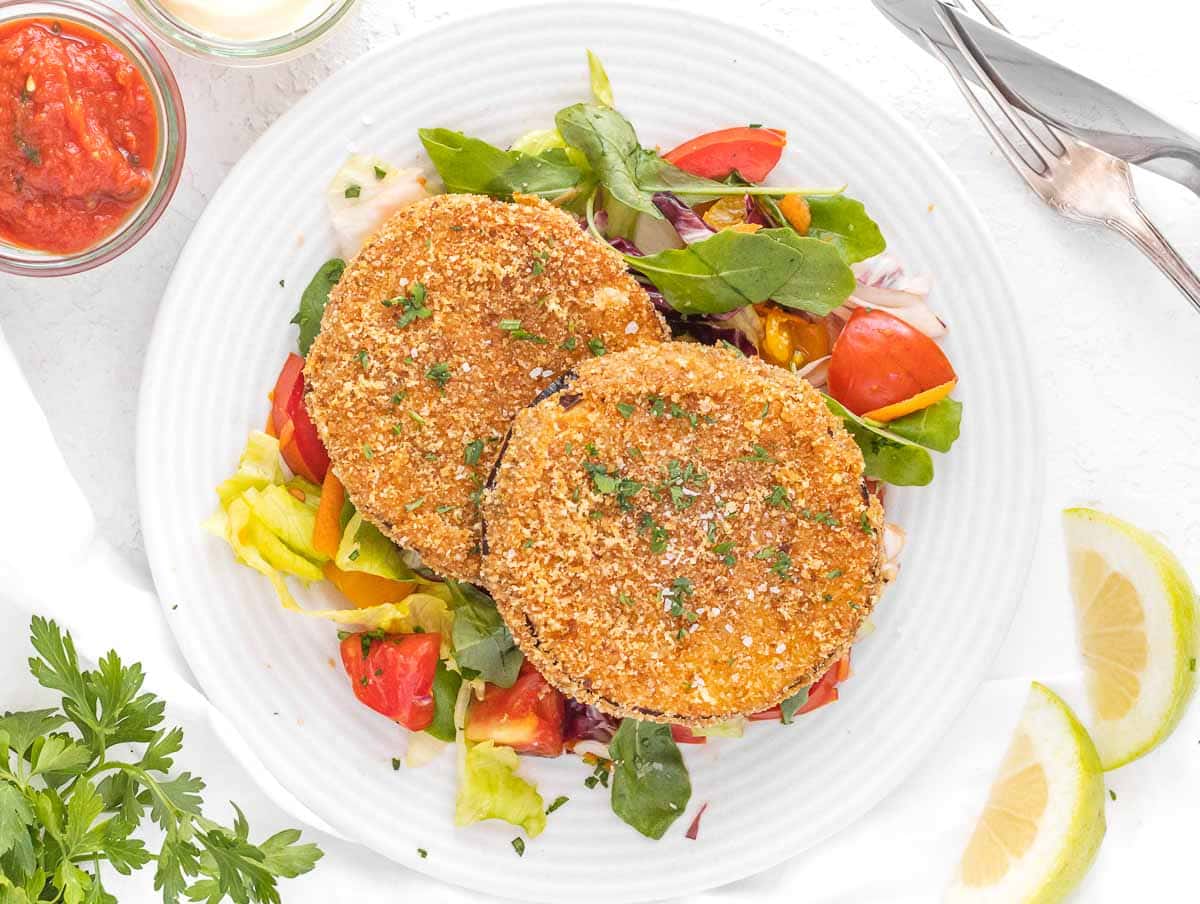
(754, 213)
(689, 224)
(694, 828)
(816, 372)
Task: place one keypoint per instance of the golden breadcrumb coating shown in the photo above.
(449, 321)
(682, 534)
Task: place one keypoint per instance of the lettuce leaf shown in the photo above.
(364, 548)
(489, 788)
(259, 467)
(289, 519)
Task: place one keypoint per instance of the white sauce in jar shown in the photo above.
(245, 20)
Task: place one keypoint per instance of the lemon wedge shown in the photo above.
(1136, 618)
(1044, 818)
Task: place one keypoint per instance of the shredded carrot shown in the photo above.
(270, 428)
(327, 533)
(286, 434)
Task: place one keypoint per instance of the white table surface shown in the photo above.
(1115, 349)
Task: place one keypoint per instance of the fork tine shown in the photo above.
(1036, 180)
(1058, 148)
(991, 83)
(988, 15)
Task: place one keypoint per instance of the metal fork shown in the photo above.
(1079, 181)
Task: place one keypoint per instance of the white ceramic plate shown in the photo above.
(223, 332)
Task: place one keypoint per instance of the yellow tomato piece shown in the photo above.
(796, 209)
(915, 403)
(366, 590)
(790, 339)
(726, 212)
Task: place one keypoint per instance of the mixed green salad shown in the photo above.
(796, 275)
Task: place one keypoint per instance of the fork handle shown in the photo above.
(1139, 229)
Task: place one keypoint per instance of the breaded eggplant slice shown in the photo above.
(682, 535)
(445, 325)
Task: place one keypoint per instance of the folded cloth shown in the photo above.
(52, 563)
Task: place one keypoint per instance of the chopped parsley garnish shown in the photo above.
(368, 452)
(613, 484)
(472, 451)
(363, 358)
(414, 505)
(417, 419)
(724, 551)
(518, 844)
(380, 172)
(634, 452)
(625, 410)
(759, 455)
(439, 373)
(558, 802)
(515, 331)
(399, 397)
(778, 498)
(412, 305)
(569, 344)
(725, 343)
(781, 562)
(658, 535)
(353, 191)
(826, 518)
(766, 409)
(678, 412)
(539, 262)
(835, 573)
(658, 405)
(422, 853)
(679, 594)
(442, 509)
(864, 524)
(625, 599)
(396, 762)
(596, 347)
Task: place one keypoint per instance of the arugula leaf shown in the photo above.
(935, 427)
(446, 684)
(601, 86)
(650, 784)
(888, 457)
(612, 149)
(482, 642)
(732, 269)
(313, 300)
(789, 707)
(472, 166)
(843, 222)
(70, 800)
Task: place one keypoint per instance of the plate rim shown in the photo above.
(158, 351)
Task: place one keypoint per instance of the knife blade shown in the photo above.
(1062, 96)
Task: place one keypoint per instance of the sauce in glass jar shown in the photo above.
(78, 136)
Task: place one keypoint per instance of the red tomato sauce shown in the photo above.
(78, 136)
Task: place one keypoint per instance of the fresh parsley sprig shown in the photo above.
(70, 801)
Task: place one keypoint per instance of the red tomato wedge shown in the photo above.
(393, 674)
(299, 443)
(752, 153)
(528, 717)
(879, 361)
(820, 694)
(683, 735)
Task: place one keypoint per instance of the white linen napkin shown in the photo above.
(53, 563)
